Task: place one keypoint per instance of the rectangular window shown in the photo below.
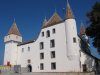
(41, 45)
(52, 54)
(28, 48)
(41, 66)
(53, 31)
(29, 61)
(52, 43)
(48, 33)
(53, 66)
(22, 49)
(42, 34)
(74, 40)
(41, 55)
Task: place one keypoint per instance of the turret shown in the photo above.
(13, 34)
(83, 33)
(72, 44)
(11, 41)
(71, 32)
(69, 13)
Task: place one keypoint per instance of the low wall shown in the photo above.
(65, 73)
(10, 70)
(6, 70)
(56, 73)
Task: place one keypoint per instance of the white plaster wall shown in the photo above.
(12, 37)
(71, 32)
(67, 53)
(7, 53)
(72, 48)
(24, 56)
(60, 49)
(10, 53)
(63, 64)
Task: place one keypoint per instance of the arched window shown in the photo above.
(42, 34)
(53, 31)
(48, 33)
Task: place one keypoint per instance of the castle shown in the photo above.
(58, 47)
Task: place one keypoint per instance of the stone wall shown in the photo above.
(55, 73)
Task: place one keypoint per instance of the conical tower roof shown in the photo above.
(69, 13)
(82, 29)
(14, 29)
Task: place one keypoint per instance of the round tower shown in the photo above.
(71, 33)
(72, 43)
(11, 41)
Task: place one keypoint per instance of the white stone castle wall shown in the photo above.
(10, 53)
(67, 53)
(63, 63)
(12, 37)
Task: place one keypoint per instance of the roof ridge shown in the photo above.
(54, 19)
(54, 15)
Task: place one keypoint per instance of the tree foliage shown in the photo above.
(93, 31)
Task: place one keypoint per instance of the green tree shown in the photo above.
(93, 30)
